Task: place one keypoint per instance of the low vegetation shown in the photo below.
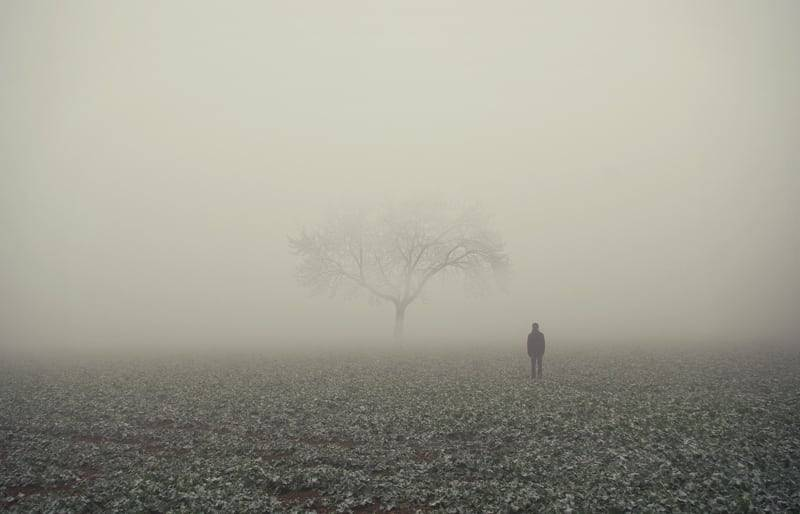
(613, 431)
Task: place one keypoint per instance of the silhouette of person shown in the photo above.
(536, 351)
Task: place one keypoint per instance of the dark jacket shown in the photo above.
(535, 343)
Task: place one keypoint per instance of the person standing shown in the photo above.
(536, 351)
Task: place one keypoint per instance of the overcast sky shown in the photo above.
(641, 159)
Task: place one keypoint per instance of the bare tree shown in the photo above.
(393, 253)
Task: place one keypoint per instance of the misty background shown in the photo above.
(640, 159)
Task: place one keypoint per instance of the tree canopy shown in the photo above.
(394, 252)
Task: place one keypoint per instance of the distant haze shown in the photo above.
(640, 159)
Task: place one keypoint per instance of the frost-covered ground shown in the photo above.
(625, 429)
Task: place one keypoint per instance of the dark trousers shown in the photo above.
(536, 365)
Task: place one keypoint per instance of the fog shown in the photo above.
(640, 160)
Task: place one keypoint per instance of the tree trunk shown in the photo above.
(399, 321)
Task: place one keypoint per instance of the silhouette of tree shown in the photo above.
(394, 252)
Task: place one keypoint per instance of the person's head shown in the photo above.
(535, 327)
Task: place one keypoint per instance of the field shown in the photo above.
(611, 431)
